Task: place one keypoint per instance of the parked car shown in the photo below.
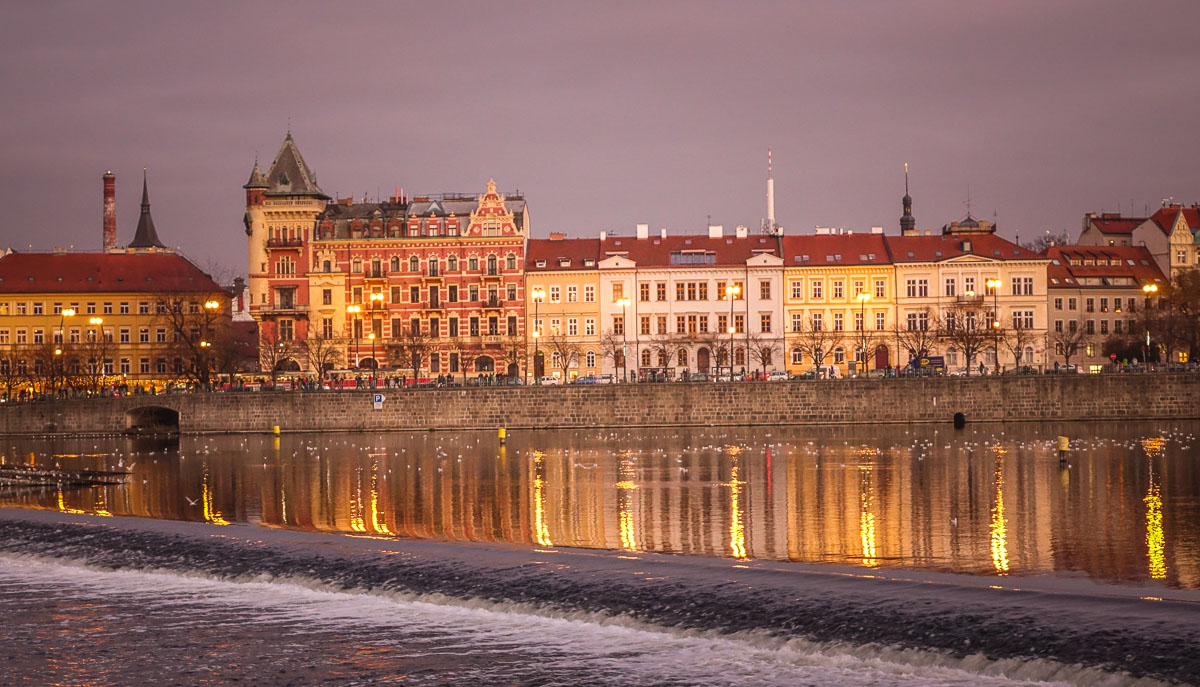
(606, 379)
(699, 377)
(584, 380)
(777, 376)
(549, 380)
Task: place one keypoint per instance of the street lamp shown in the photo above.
(994, 285)
(539, 294)
(354, 310)
(731, 292)
(624, 303)
(375, 363)
(863, 297)
(1149, 290)
(62, 339)
(96, 363)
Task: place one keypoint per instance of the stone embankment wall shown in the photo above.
(988, 399)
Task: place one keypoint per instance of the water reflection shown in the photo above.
(990, 500)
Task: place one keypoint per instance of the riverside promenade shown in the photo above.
(869, 401)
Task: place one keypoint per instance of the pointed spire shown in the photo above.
(908, 223)
(146, 236)
(289, 175)
(257, 180)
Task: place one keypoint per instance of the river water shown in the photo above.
(299, 559)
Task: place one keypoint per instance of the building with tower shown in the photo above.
(432, 285)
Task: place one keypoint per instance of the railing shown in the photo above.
(493, 303)
(969, 299)
(370, 273)
(284, 308)
(284, 243)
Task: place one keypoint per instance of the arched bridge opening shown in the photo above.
(151, 420)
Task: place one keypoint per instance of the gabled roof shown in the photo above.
(289, 175)
(835, 249)
(146, 236)
(1107, 261)
(1165, 218)
(656, 251)
(257, 180)
(1115, 225)
(903, 249)
(556, 255)
(102, 273)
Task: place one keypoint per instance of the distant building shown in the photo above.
(85, 321)
(1171, 234)
(435, 282)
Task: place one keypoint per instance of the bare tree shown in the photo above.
(1070, 340)
(13, 368)
(612, 347)
(1048, 240)
(322, 354)
(195, 322)
(410, 350)
(815, 340)
(1016, 340)
(273, 350)
(918, 335)
(660, 348)
(762, 350)
(467, 353)
(512, 352)
(965, 327)
(93, 352)
(565, 351)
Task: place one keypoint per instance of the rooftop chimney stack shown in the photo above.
(110, 212)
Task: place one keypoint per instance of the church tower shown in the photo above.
(908, 223)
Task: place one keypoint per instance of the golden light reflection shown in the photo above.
(62, 506)
(737, 527)
(541, 530)
(355, 507)
(866, 519)
(999, 525)
(211, 515)
(625, 488)
(377, 519)
(1156, 541)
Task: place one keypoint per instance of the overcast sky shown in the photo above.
(604, 115)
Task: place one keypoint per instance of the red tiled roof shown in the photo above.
(947, 246)
(102, 273)
(1165, 217)
(1143, 270)
(835, 249)
(1117, 225)
(553, 251)
(656, 251)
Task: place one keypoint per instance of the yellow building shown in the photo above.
(838, 303)
(562, 307)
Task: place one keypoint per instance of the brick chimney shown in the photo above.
(110, 212)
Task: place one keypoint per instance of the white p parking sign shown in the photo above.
(378, 400)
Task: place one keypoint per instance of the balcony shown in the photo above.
(434, 305)
(492, 304)
(284, 243)
(492, 275)
(379, 273)
(977, 298)
(284, 309)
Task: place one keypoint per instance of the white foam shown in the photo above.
(593, 643)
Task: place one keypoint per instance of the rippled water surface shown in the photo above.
(992, 500)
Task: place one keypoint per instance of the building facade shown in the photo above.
(562, 304)
(433, 284)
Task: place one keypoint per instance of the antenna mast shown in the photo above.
(769, 226)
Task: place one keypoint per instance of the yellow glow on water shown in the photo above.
(737, 528)
(541, 530)
(626, 484)
(62, 506)
(211, 515)
(999, 525)
(1155, 538)
(866, 518)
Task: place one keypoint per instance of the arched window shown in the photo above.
(591, 358)
(739, 356)
(555, 359)
(645, 358)
(473, 263)
(511, 262)
(328, 266)
(433, 267)
(766, 357)
(839, 355)
(395, 263)
(452, 263)
(797, 356)
(662, 359)
(414, 264)
(682, 357)
(492, 265)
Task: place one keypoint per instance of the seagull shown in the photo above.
(192, 502)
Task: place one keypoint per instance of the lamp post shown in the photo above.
(97, 364)
(354, 310)
(375, 363)
(994, 285)
(62, 341)
(863, 297)
(212, 306)
(1149, 290)
(624, 303)
(731, 292)
(539, 294)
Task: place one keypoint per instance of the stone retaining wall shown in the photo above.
(987, 399)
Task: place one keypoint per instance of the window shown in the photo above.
(880, 321)
(160, 335)
(572, 294)
(661, 325)
(511, 292)
(797, 356)
(837, 289)
(679, 287)
(818, 288)
(20, 308)
(702, 290)
(797, 322)
(950, 287)
(452, 263)
(1058, 304)
(1022, 286)
(327, 297)
(589, 327)
(590, 359)
(1089, 326)
(573, 326)
(739, 323)
(644, 325)
(838, 322)
(680, 324)
(452, 293)
(124, 308)
(880, 290)
(473, 293)
(414, 294)
(918, 321)
(555, 294)
(618, 291)
(1103, 326)
(589, 293)
(37, 308)
(38, 336)
(144, 335)
(453, 329)
(839, 355)
(327, 327)
(1103, 305)
(660, 291)
(764, 322)
(493, 328)
(818, 322)
(1090, 305)
(618, 324)
(858, 322)
(510, 262)
(797, 289)
(691, 291)
(1072, 304)
(125, 335)
(917, 288)
(1116, 326)
(643, 291)
(286, 330)
(512, 325)
(473, 326)
(681, 358)
(1058, 326)
(764, 289)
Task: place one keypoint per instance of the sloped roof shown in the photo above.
(904, 249)
(835, 249)
(656, 251)
(290, 175)
(1165, 217)
(554, 251)
(102, 273)
(146, 236)
(1108, 261)
(1116, 225)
